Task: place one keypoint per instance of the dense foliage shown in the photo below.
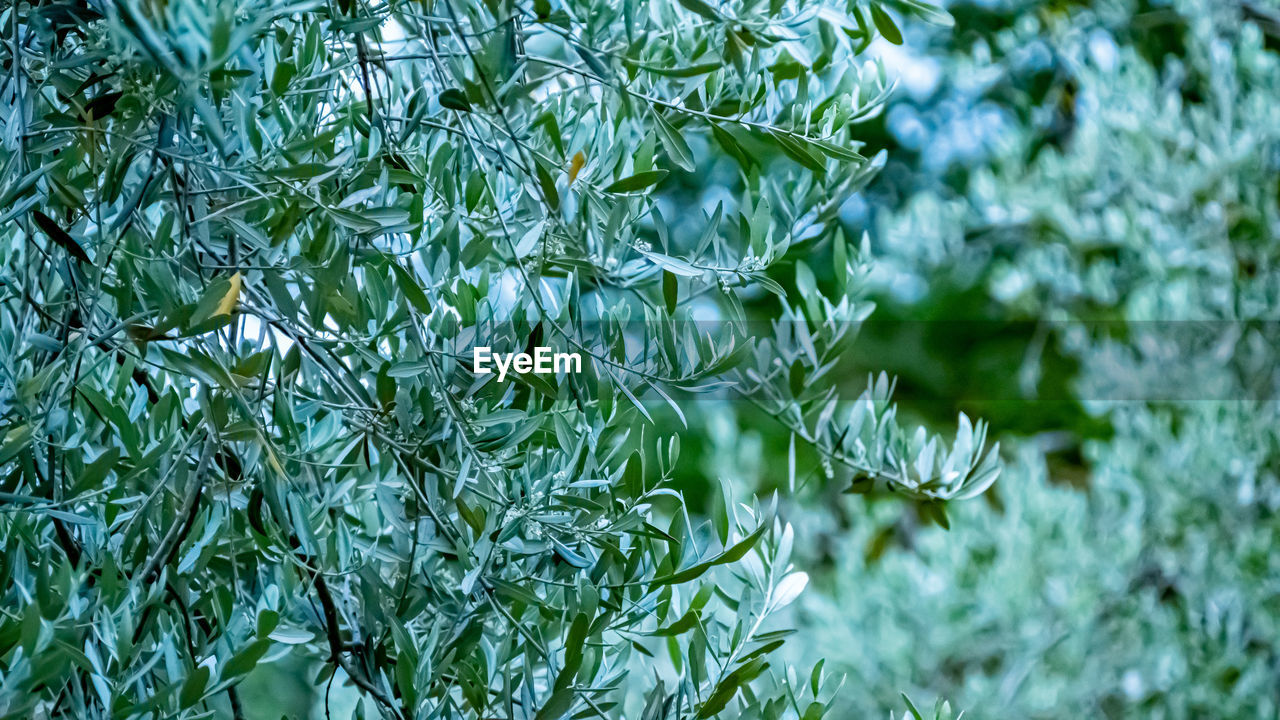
(248, 248)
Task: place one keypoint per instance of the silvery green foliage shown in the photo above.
(1150, 595)
(1162, 164)
(248, 248)
(1138, 187)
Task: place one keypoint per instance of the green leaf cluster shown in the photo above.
(247, 250)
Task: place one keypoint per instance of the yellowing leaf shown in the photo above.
(229, 300)
(212, 312)
(575, 165)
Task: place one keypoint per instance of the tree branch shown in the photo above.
(178, 532)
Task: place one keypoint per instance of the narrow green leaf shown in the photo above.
(548, 185)
(574, 643)
(247, 659)
(411, 289)
(556, 706)
(94, 473)
(281, 78)
(733, 554)
(670, 291)
(730, 144)
(683, 625)
(193, 688)
(815, 677)
(455, 99)
(677, 149)
(701, 8)
(685, 71)
(911, 706)
(639, 181)
(15, 442)
(797, 377)
(795, 149)
(884, 23)
(836, 151)
(103, 105)
(60, 236)
(267, 621)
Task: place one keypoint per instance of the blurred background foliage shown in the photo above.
(1075, 238)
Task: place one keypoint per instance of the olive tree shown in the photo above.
(249, 249)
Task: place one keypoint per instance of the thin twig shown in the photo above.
(172, 540)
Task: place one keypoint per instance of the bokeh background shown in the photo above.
(1075, 238)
